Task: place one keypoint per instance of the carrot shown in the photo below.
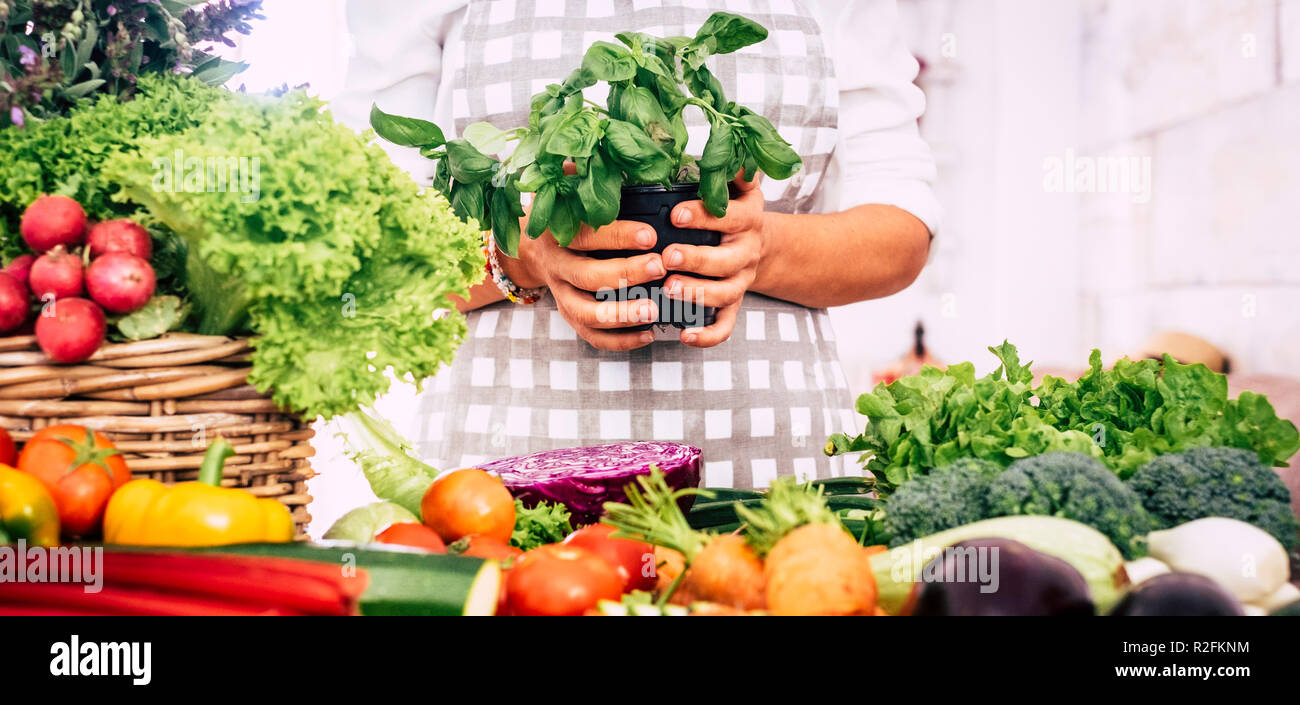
(818, 569)
(728, 572)
(873, 550)
(668, 565)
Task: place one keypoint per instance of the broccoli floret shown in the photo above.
(948, 497)
(1073, 486)
(1221, 482)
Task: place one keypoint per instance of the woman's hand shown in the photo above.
(572, 276)
(734, 262)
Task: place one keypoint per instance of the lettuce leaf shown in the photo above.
(1124, 416)
(333, 257)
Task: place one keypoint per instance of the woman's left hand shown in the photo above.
(734, 262)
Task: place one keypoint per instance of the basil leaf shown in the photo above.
(525, 152)
(578, 79)
(640, 107)
(730, 32)
(573, 136)
(634, 41)
(750, 166)
(680, 135)
(487, 138)
(467, 202)
(720, 148)
(643, 160)
(505, 224)
(772, 153)
(565, 220)
(694, 56)
(442, 178)
(609, 62)
(405, 131)
(540, 216)
(614, 101)
(601, 192)
(531, 178)
(705, 86)
(467, 164)
(514, 199)
(713, 191)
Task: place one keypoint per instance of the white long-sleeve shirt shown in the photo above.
(405, 51)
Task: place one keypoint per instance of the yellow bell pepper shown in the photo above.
(27, 510)
(149, 513)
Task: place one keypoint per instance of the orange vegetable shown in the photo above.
(80, 468)
(409, 533)
(818, 569)
(467, 502)
(728, 572)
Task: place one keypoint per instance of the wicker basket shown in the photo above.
(161, 401)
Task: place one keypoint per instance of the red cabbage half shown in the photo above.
(583, 479)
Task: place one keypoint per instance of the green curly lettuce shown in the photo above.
(331, 255)
(1123, 416)
(64, 155)
(543, 523)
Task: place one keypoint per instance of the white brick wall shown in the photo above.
(1208, 90)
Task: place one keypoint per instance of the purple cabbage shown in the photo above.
(583, 479)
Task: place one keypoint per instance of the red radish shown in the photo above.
(119, 282)
(15, 303)
(56, 272)
(53, 220)
(70, 330)
(119, 236)
(20, 267)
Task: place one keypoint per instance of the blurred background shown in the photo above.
(1111, 171)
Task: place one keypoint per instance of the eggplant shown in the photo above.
(1010, 579)
(1178, 595)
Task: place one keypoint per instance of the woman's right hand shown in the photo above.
(572, 277)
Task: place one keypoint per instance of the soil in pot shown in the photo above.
(653, 205)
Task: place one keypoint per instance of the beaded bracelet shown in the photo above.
(513, 291)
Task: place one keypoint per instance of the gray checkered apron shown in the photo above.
(761, 404)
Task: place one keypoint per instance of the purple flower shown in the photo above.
(16, 116)
(112, 10)
(27, 56)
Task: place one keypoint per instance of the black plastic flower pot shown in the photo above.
(653, 205)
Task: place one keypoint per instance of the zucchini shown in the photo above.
(845, 485)
(709, 515)
(1080, 545)
(726, 494)
(853, 501)
(402, 581)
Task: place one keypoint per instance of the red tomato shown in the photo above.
(8, 453)
(80, 468)
(634, 560)
(559, 580)
(409, 533)
(465, 502)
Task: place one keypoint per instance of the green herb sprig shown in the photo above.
(637, 138)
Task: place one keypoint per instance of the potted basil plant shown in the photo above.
(629, 155)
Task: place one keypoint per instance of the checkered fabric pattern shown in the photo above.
(761, 404)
